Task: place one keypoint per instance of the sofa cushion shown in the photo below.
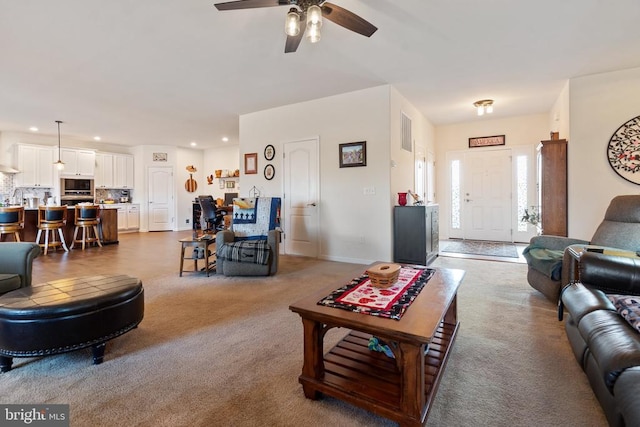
(580, 300)
(629, 308)
(9, 282)
(612, 342)
(250, 251)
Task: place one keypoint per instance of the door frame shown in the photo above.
(517, 150)
(285, 213)
(172, 205)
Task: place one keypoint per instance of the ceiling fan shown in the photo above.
(306, 16)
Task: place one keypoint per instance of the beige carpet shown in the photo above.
(227, 351)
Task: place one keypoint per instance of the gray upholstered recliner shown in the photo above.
(551, 266)
(16, 262)
(239, 268)
(252, 247)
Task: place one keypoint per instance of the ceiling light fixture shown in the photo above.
(59, 164)
(225, 139)
(96, 138)
(484, 106)
(314, 23)
(33, 129)
(292, 23)
(193, 143)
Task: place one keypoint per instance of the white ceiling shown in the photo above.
(171, 72)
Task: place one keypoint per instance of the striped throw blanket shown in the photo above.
(253, 251)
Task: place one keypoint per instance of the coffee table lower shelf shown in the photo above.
(373, 381)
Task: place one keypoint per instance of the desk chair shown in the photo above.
(87, 219)
(212, 216)
(50, 220)
(11, 221)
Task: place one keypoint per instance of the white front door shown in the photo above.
(301, 202)
(486, 195)
(160, 198)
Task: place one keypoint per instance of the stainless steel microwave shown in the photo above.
(70, 185)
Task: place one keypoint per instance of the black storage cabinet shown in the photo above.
(415, 234)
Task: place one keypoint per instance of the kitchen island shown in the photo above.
(108, 227)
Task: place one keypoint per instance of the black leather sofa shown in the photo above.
(605, 345)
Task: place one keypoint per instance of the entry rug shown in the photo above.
(360, 296)
(482, 247)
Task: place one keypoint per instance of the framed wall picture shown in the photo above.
(269, 172)
(353, 154)
(251, 163)
(231, 184)
(486, 141)
(159, 157)
(269, 152)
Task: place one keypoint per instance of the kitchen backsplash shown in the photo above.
(104, 194)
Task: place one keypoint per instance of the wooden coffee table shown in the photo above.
(401, 389)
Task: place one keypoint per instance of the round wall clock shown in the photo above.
(269, 152)
(269, 172)
(623, 151)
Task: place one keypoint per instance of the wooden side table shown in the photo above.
(199, 242)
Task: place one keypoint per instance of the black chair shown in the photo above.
(213, 217)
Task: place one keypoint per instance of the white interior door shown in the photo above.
(160, 198)
(486, 195)
(301, 204)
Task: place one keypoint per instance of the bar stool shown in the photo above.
(87, 219)
(51, 219)
(11, 221)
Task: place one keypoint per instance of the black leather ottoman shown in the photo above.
(67, 315)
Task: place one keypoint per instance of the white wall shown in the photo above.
(599, 105)
(559, 116)
(220, 158)
(353, 227)
(519, 131)
(423, 133)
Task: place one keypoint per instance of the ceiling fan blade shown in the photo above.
(347, 19)
(249, 4)
(294, 41)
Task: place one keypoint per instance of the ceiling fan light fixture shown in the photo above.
(313, 34)
(314, 16)
(292, 23)
(484, 106)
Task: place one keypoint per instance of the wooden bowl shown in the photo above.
(384, 275)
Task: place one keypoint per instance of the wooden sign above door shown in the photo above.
(486, 141)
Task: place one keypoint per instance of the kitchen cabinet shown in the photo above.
(78, 163)
(416, 238)
(553, 186)
(35, 164)
(104, 170)
(128, 217)
(123, 171)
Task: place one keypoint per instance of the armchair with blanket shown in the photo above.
(251, 247)
(551, 267)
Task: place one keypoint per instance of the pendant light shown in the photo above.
(59, 164)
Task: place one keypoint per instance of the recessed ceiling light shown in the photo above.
(97, 138)
(33, 129)
(193, 143)
(225, 139)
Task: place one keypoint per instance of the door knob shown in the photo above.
(311, 204)
(468, 200)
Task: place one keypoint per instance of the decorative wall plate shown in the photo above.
(269, 172)
(269, 152)
(623, 151)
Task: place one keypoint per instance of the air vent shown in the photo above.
(406, 133)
